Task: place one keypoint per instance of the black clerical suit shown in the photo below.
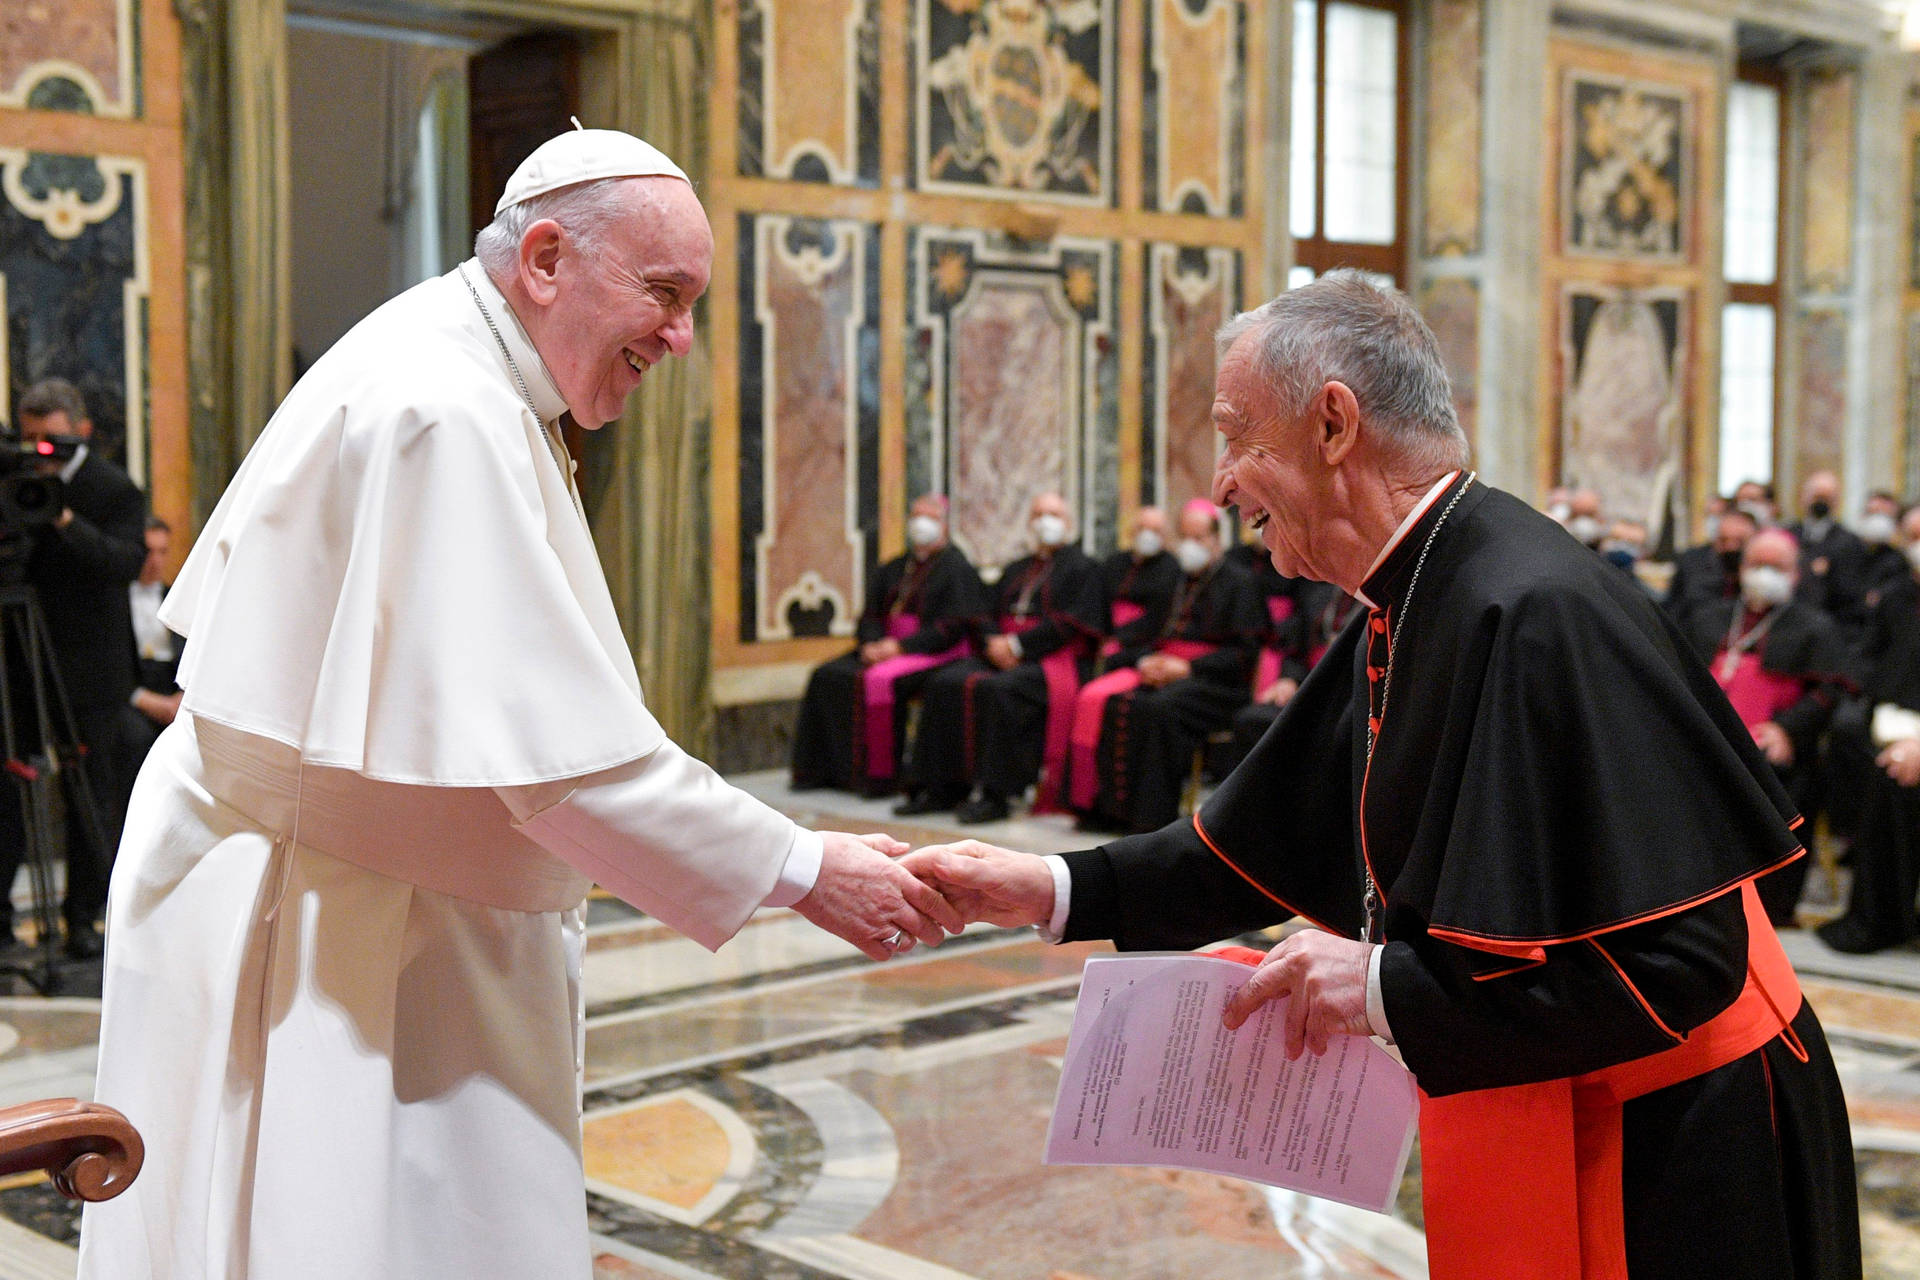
(1833, 571)
(1702, 577)
(1148, 735)
(1794, 643)
(944, 595)
(979, 724)
(80, 574)
(1884, 817)
(1143, 583)
(1561, 811)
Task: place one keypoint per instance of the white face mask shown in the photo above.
(1875, 528)
(1586, 529)
(1762, 514)
(1713, 528)
(1193, 554)
(923, 531)
(1764, 586)
(1148, 542)
(1558, 512)
(1049, 530)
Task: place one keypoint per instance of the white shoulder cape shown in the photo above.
(398, 580)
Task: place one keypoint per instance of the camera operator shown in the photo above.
(80, 565)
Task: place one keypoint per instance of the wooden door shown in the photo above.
(520, 93)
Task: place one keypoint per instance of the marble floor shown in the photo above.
(787, 1109)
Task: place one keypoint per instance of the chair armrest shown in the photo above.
(91, 1152)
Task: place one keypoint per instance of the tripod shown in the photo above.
(52, 753)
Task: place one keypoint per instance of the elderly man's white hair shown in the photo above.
(583, 210)
(1343, 327)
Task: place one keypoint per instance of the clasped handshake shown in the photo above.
(884, 897)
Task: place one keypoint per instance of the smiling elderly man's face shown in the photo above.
(1265, 467)
(626, 305)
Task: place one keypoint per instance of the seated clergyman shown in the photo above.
(992, 720)
(1780, 662)
(921, 610)
(1135, 728)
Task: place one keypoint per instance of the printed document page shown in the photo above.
(1152, 1076)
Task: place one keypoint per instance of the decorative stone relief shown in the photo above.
(1623, 374)
(1014, 97)
(1626, 167)
(69, 55)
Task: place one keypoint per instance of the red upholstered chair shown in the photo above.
(91, 1152)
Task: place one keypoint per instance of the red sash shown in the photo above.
(1541, 1163)
(1061, 670)
(876, 693)
(1090, 708)
(1523, 1183)
(1756, 693)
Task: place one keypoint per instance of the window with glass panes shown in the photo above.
(1749, 322)
(1348, 185)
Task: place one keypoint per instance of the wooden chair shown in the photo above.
(91, 1152)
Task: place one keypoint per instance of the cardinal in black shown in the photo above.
(1833, 559)
(1783, 665)
(1136, 727)
(1529, 827)
(922, 607)
(995, 718)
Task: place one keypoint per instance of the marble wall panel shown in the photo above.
(809, 413)
(809, 90)
(69, 55)
(1451, 181)
(1195, 107)
(1623, 374)
(74, 282)
(1011, 359)
(1451, 307)
(1014, 98)
(1627, 167)
(1822, 418)
(1827, 160)
(1190, 294)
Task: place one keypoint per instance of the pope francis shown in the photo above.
(342, 996)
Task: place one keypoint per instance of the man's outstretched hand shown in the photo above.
(867, 898)
(986, 882)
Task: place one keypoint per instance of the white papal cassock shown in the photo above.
(342, 996)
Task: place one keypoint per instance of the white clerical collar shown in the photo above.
(1413, 518)
(73, 464)
(547, 401)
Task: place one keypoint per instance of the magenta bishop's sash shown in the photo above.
(876, 693)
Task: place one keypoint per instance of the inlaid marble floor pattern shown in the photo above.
(788, 1110)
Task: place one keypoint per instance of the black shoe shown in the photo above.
(85, 943)
(988, 808)
(924, 802)
(1851, 937)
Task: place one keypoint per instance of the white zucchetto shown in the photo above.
(585, 155)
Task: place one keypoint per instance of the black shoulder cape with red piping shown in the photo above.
(1553, 763)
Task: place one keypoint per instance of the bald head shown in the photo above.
(1773, 549)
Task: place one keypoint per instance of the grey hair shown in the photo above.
(1344, 327)
(583, 210)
